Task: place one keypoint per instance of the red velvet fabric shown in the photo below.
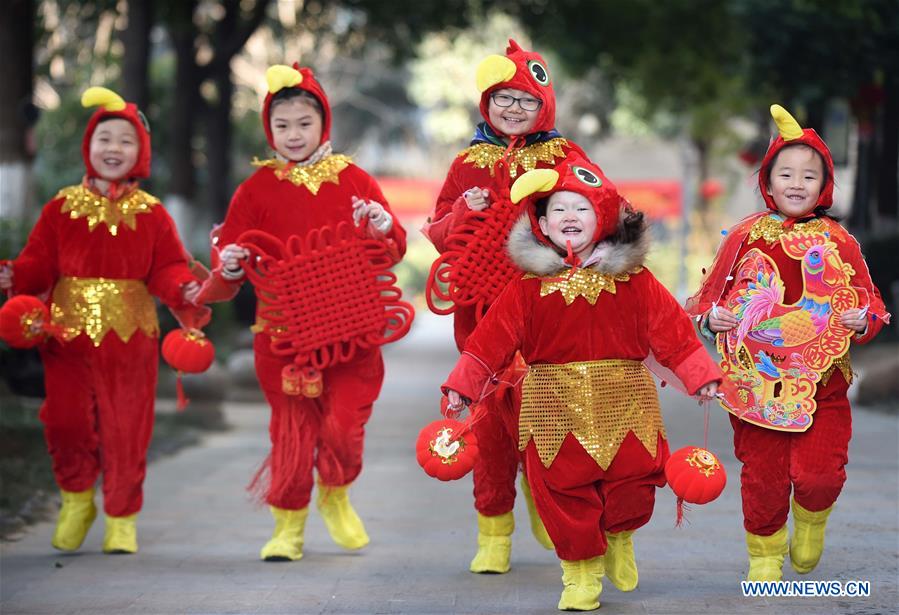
(309, 84)
(98, 415)
(332, 426)
(131, 114)
(578, 501)
(811, 464)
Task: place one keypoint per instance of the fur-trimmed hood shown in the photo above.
(623, 251)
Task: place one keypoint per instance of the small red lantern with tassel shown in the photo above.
(446, 449)
(695, 475)
(187, 351)
(25, 322)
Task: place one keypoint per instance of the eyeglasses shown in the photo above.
(505, 101)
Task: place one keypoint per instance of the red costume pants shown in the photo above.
(579, 501)
(811, 464)
(496, 465)
(325, 433)
(98, 415)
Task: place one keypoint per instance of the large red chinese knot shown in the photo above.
(187, 351)
(695, 475)
(25, 322)
(324, 297)
(446, 449)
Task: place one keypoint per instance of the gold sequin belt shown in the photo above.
(598, 402)
(95, 306)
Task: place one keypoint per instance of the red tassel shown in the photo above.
(182, 398)
(682, 510)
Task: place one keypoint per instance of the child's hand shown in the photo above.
(5, 277)
(230, 257)
(708, 392)
(455, 405)
(721, 320)
(378, 218)
(855, 319)
(190, 291)
(477, 198)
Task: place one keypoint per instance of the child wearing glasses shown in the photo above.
(517, 135)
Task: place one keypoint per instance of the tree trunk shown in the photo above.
(888, 171)
(136, 40)
(182, 182)
(16, 75)
(218, 141)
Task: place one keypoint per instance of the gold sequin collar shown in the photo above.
(577, 282)
(485, 155)
(81, 202)
(312, 176)
(770, 228)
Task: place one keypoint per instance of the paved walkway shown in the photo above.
(200, 536)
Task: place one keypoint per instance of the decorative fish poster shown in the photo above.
(775, 357)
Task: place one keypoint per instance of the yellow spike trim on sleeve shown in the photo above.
(787, 125)
(102, 97)
(538, 180)
(492, 70)
(280, 76)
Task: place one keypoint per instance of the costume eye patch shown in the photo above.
(587, 176)
(539, 72)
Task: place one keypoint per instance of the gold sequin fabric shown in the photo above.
(598, 402)
(81, 202)
(770, 228)
(96, 306)
(485, 155)
(312, 176)
(577, 282)
(844, 365)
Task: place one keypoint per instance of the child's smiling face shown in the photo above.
(114, 148)
(296, 129)
(796, 180)
(570, 217)
(513, 121)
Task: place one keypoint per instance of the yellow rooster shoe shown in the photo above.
(343, 523)
(766, 555)
(537, 527)
(620, 565)
(121, 534)
(807, 542)
(583, 584)
(75, 518)
(286, 544)
(494, 544)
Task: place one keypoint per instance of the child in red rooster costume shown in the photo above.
(590, 425)
(518, 106)
(103, 249)
(307, 187)
(806, 454)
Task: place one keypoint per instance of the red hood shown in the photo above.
(309, 84)
(130, 113)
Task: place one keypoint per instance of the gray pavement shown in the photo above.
(200, 535)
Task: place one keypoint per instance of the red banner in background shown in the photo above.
(414, 199)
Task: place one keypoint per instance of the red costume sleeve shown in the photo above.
(169, 271)
(449, 209)
(240, 217)
(673, 340)
(492, 344)
(370, 190)
(35, 270)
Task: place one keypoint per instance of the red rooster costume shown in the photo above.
(590, 426)
(809, 463)
(287, 199)
(102, 259)
(489, 162)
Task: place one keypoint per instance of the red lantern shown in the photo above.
(442, 453)
(710, 189)
(187, 351)
(695, 475)
(25, 322)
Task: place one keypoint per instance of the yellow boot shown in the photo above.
(343, 523)
(286, 543)
(75, 518)
(494, 543)
(583, 584)
(620, 565)
(807, 542)
(766, 555)
(121, 534)
(537, 527)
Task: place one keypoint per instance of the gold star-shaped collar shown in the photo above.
(81, 202)
(771, 228)
(485, 155)
(312, 176)
(577, 282)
